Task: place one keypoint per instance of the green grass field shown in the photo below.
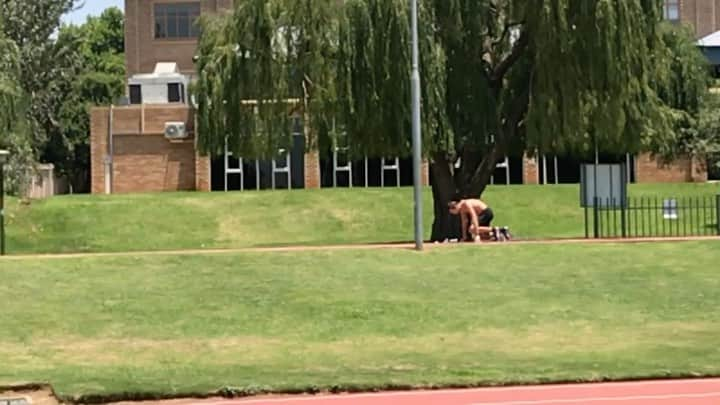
(451, 316)
(305, 217)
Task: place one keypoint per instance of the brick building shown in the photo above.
(162, 31)
(702, 15)
(132, 152)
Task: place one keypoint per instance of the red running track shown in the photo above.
(681, 392)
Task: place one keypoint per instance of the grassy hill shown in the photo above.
(306, 217)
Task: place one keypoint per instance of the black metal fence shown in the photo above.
(648, 217)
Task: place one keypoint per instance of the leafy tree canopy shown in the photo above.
(499, 77)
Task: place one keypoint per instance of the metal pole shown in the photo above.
(623, 206)
(595, 185)
(507, 170)
(227, 165)
(628, 172)
(416, 130)
(717, 213)
(2, 206)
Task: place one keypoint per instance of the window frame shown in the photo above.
(673, 5)
(192, 10)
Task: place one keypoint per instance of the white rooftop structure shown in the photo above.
(710, 41)
(165, 85)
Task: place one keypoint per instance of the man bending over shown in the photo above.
(476, 218)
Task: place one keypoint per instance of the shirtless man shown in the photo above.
(476, 217)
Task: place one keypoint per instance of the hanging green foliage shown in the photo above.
(499, 77)
(9, 91)
(262, 65)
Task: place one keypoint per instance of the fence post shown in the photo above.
(717, 213)
(596, 217)
(623, 216)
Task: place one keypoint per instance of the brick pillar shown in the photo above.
(202, 172)
(425, 173)
(530, 170)
(99, 122)
(698, 170)
(312, 169)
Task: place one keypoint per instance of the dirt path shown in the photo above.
(376, 246)
(28, 394)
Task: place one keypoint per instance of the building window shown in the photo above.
(671, 10)
(175, 93)
(177, 20)
(135, 94)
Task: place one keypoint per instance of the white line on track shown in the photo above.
(584, 400)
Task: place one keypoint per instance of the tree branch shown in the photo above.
(504, 66)
(506, 31)
(515, 115)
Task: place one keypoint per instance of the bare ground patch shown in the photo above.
(35, 394)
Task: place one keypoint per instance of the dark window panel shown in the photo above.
(135, 94)
(174, 93)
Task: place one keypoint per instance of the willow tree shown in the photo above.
(260, 66)
(499, 77)
(41, 75)
(504, 77)
(9, 91)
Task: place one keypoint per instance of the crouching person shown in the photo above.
(476, 221)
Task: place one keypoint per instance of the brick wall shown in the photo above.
(530, 170)
(143, 159)
(650, 170)
(312, 169)
(202, 173)
(151, 163)
(703, 15)
(98, 148)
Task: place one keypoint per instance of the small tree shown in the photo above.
(13, 104)
(99, 79)
(40, 79)
(9, 92)
(683, 87)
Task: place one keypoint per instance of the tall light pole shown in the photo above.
(416, 131)
(3, 157)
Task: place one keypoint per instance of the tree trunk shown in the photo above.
(445, 226)
(473, 176)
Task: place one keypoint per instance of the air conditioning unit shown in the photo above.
(175, 130)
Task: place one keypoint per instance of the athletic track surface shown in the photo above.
(675, 392)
